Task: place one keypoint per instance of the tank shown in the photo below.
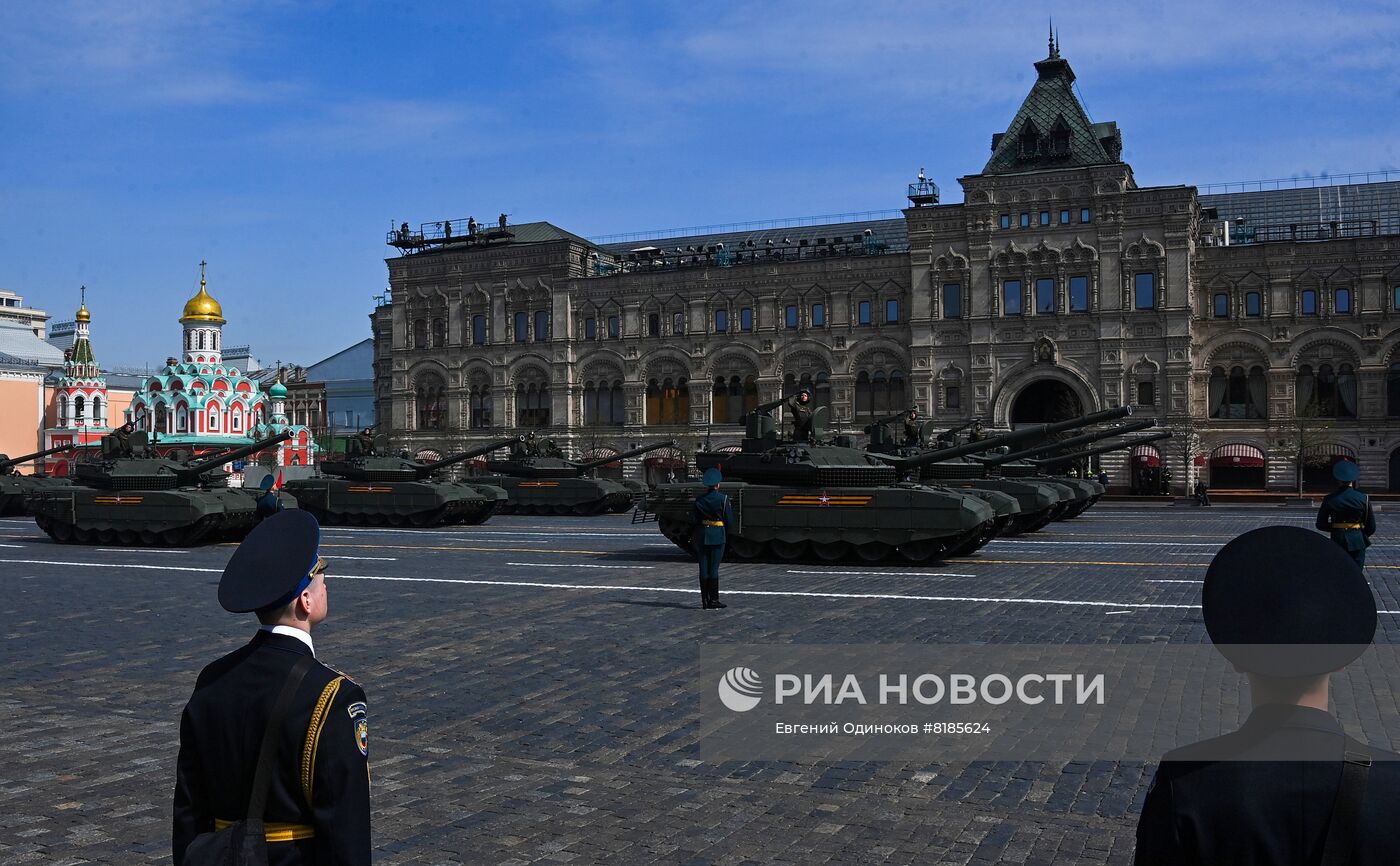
(549, 484)
(1040, 501)
(832, 499)
(134, 496)
(15, 488)
(368, 489)
(1087, 490)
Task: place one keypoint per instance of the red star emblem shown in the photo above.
(824, 499)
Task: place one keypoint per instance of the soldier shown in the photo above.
(1346, 513)
(268, 502)
(1287, 609)
(1202, 493)
(532, 447)
(913, 432)
(713, 516)
(799, 405)
(273, 743)
(121, 439)
(365, 438)
(471, 227)
(977, 433)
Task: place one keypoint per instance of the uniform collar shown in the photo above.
(1292, 716)
(303, 636)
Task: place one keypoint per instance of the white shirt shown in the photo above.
(303, 636)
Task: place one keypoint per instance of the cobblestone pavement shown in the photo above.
(531, 690)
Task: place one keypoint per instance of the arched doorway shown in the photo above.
(1395, 471)
(1145, 463)
(1238, 467)
(1318, 461)
(1044, 401)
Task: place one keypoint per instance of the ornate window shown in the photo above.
(590, 328)
(1392, 390)
(479, 405)
(532, 403)
(790, 316)
(863, 313)
(746, 318)
(1011, 297)
(1238, 394)
(522, 327)
(1222, 305)
(603, 403)
(162, 420)
(1079, 294)
(668, 401)
(1253, 304)
(1342, 301)
(62, 410)
(733, 398)
(1326, 392)
(439, 333)
(1309, 302)
(880, 393)
(420, 334)
(541, 324)
(97, 418)
(1144, 290)
(892, 311)
(1045, 296)
(678, 323)
(478, 330)
(430, 400)
(78, 409)
(614, 326)
(952, 300)
(653, 324)
(1146, 394)
(819, 315)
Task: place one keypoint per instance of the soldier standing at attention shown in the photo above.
(713, 516)
(1346, 513)
(800, 406)
(1289, 787)
(313, 804)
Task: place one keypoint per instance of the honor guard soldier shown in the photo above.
(713, 516)
(274, 744)
(1346, 513)
(1288, 788)
(268, 502)
(799, 405)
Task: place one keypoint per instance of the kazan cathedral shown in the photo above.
(197, 404)
(1259, 321)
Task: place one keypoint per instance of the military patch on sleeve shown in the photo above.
(359, 720)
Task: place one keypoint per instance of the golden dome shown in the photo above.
(202, 307)
(83, 315)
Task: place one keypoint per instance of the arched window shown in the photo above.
(1238, 394)
(532, 402)
(1326, 393)
(430, 397)
(733, 398)
(616, 413)
(79, 405)
(97, 418)
(541, 324)
(479, 406)
(1222, 305)
(420, 334)
(161, 424)
(439, 333)
(213, 420)
(1342, 302)
(522, 327)
(478, 330)
(62, 410)
(668, 401)
(1309, 302)
(821, 389)
(1253, 304)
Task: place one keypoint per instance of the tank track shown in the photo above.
(927, 550)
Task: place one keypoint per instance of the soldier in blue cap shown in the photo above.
(1346, 513)
(1287, 609)
(713, 515)
(273, 744)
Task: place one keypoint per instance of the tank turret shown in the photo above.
(550, 484)
(365, 468)
(146, 470)
(15, 488)
(531, 466)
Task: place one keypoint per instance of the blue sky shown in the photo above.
(280, 140)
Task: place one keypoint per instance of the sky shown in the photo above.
(281, 139)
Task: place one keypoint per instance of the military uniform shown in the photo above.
(317, 808)
(801, 413)
(1346, 514)
(713, 515)
(913, 431)
(1280, 603)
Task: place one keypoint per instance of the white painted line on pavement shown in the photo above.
(1166, 580)
(888, 573)
(112, 565)
(15, 546)
(131, 549)
(370, 558)
(575, 565)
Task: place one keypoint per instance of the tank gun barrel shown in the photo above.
(7, 462)
(204, 464)
(764, 408)
(941, 454)
(429, 468)
(1086, 420)
(1102, 449)
(1072, 442)
(613, 458)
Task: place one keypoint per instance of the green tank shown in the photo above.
(1084, 492)
(15, 488)
(831, 499)
(1096, 489)
(133, 496)
(367, 489)
(550, 484)
(1039, 502)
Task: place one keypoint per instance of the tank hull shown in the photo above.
(393, 503)
(147, 518)
(15, 489)
(582, 497)
(902, 522)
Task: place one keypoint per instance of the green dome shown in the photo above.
(277, 389)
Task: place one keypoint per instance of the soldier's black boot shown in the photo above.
(714, 594)
(705, 594)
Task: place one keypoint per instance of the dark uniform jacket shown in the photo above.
(712, 506)
(321, 785)
(801, 418)
(1348, 506)
(1266, 810)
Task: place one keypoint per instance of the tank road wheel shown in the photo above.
(106, 536)
(919, 551)
(62, 532)
(873, 551)
(583, 509)
(129, 537)
(788, 550)
(745, 548)
(149, 538)
(831, 551)
(173, 538)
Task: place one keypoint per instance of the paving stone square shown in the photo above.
(531, 686)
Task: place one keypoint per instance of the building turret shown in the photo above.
(82, 390)
(203, 320)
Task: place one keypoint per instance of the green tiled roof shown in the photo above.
(1052, 130)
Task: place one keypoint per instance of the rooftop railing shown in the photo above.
(1325, 180)
(652, 258)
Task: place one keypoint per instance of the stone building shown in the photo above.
(1261, 325)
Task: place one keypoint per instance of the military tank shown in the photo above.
(831, 499)
(14, 488)
(1086, 491)
(367, 489)
(550, 484)
(133, 496)
(1060, 461)
(1040, 502)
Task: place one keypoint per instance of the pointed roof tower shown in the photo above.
(1052, 130)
